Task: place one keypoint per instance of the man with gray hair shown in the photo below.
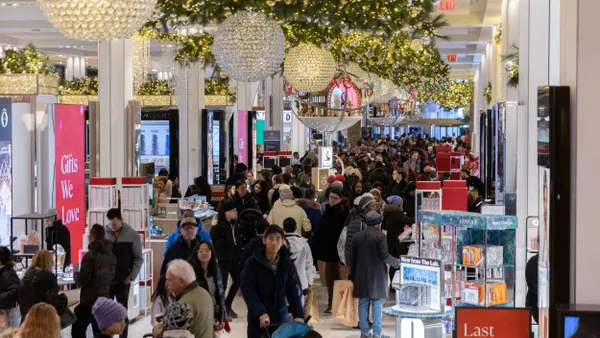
(286, 207)
(181, 281)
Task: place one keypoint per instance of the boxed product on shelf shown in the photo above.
(414, 296)
(476, 255)
(474, 293)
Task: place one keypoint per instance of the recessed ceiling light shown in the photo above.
(68, 46)
(2, 4)
(60, 55)
(81, 46)
(15, 5)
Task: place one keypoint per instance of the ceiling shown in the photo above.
(470, 29)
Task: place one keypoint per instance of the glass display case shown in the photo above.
(477, 254)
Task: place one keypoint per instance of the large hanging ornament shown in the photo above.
(248, 46)
(386, 91)
(309, 68)
(98, 20)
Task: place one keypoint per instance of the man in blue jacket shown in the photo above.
(268, 279)
(174, 236)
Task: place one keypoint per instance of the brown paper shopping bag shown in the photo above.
(339, 289)
(311, 308)
(347, 312)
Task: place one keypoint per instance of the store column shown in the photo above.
(274, 103)
(190, 101)
(115, 89)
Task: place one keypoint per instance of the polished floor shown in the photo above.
(328, 326)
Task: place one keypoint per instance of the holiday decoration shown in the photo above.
(155, 87)
(448, 94)
(309, 68)
(86, 86)
(248, 46)
(219, 87)
(385, 93)
(98, 20)
(487, 93)
(511, 65)
(26, 60)
(498, 36)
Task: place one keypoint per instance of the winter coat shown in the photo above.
(39, 286)
(249, 250)
(368, 264)
(288, 208)
(96, 272)
(271, 192)
(9, 288)
(356, 225)
(244, 203)
(59, 234)
(397, 188)
(313, 212)
(179, 250)
(227, 239)
(394, 221)
(531, 277)
(330, 228)
(301, 255)
(379, 175)
(175, 234)
(128, 251)
(220, 307)
(199, 300)
(476, 205)
(247, 224)
(408, 205)
(269, 292)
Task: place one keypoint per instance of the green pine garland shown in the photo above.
(86, 86)
(155, 87)
(26, 60)
(513, 71)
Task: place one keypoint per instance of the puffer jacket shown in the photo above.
(301, 255)
(356, 225)
(9, 288)
(394, 221)
(227, 239)
(39, 286)
(96, 273)
(288, 208)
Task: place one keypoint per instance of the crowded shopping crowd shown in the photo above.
(271, 238)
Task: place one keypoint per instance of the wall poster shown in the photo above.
(5, 169)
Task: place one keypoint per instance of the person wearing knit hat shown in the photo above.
(183, 247)
(357, 224)
(57, 233)
(394, 200)
(177, 321)
(110, 317)
(369, 273)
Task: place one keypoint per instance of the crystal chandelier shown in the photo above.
(248, 46)
(385, 92)
(98, 20)
(309, 68)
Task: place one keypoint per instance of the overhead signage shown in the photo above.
(6, 185)
(272, 139)
(452, 57)
(69, 167)
(448, 5)
(493, 322)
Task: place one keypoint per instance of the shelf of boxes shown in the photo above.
(102, 196)
(145, 281)
(135, 206)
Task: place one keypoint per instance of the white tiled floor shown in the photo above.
(328, 326)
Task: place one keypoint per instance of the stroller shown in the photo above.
(289, 330)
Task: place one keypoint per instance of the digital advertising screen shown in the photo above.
(242, 138)
(69, 167)
(5, 170)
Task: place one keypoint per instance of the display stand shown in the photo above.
(319, 178)
(102, 196)
(455, 195)
(425, 325)
(428, 196)
(477, 253)
(26, 251)
(145, 281)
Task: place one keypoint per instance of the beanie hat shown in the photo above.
(357, 200)
(336, 190)
(365, 201)
(229, 205)
(107, 311)
(395, 200)
(340, 178)
(330, 179)
(338, 184)
(374, 218)
(51, 212)
(411, 186)
(178, 316)
(189, 220)
(276, 170)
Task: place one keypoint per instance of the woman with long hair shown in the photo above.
(9, 289)
(160, 300)
(39, 284)
(204, 261)
(356, 190)
(42, 321)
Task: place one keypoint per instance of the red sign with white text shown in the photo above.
(448, 5)
(452, 57)
(69, 166)
(493, 322)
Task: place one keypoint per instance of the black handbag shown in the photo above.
(61, 304)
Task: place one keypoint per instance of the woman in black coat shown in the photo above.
(9, 287)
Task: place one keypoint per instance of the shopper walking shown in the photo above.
(58, 233)
(287, 207)
(96, 273)
(127, 247)
(175, 234)
(228, 244)
(160, 300)
(242, 199)
(182, 249)
(41, 321)
(110, 316)
(358, 224)
(369, 273)
(300, 254)
(9, 289)
(269, 284)
(330, 228)
(395, 223)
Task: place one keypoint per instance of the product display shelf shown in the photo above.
(145, 281)
(135, 204)
(102, 196)
(477, 253)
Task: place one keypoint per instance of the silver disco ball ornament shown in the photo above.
(386, 91)
(509, 65)
(98, 20)
(248, 46)
(309, 68)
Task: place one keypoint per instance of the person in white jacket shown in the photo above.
(300, 254)
(286, 207)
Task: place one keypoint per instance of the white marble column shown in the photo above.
(115, 82)
(510, 37)
(190, 95)
(274, 109)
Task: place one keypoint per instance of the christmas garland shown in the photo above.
(498, 36)
(26, 60)
(86, 86)
(512, 66)
(219, 87)
(155, 87)
(324, 23)
(448, 94)
(487, 93)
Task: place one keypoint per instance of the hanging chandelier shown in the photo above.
(309, 68)
(248, 46)
(98, 20)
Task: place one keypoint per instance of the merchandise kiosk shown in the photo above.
(467, 259)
